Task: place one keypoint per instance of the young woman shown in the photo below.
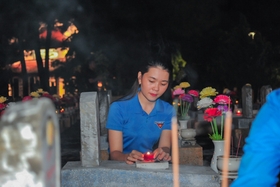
(140, 120)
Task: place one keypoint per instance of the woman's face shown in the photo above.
(153, 83)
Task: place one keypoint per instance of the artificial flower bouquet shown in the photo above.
(38, 94)
(214, 108)
(185, 98)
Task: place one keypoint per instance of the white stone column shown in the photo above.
(90, 130)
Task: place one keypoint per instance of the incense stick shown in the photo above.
(232, 145)
(229, 103)
(228, 123)
(175, 149)
(175, 154)
(239, 141)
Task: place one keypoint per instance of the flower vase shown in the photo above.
(218, 150)
(183, 123)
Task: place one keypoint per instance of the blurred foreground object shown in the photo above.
(30, 145)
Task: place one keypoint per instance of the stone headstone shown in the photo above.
(104, 99)
(30, 145)
(247, 101)
(265, 90)
(109, 95)
(90, 129)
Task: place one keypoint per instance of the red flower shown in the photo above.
(207, 118)
(27, 98)
(2, 106)
(211, 113)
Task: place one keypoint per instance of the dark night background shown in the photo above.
(212, 36)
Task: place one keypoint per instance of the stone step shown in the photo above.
(114, 173)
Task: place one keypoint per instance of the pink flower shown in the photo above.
(222, 99)
(193, 93)
(178, 91)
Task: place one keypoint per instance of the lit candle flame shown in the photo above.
(99, 84)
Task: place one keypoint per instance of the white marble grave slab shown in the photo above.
(152, 165)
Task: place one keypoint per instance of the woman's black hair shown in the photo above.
(163, 62)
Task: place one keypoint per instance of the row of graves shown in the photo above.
(30, 144)
(66, 107)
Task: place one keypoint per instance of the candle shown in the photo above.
(238, 112)
(149, 156)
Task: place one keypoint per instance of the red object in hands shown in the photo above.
(148, 156)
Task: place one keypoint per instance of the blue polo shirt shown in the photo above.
(260, 164)
(141, 131)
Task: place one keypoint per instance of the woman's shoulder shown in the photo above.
(124, 102)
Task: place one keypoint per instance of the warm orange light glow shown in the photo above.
(174, 103)
(61, 90)
(31, 63)
(10, 90)
(52, 81)
(236, 102)
(99, 84)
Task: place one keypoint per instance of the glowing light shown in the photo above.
(99, 84)
(252, 34)
(238, 112)
(61, 90)
(62, 110)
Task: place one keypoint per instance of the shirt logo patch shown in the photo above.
(159, 124)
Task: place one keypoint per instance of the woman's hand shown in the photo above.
(133, 157)
(162, 154)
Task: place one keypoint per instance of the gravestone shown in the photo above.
(104, 99)
(117, 173)
(30, 145)
(90, 129)
(265, 90)
(247, 101)
(109, 95)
